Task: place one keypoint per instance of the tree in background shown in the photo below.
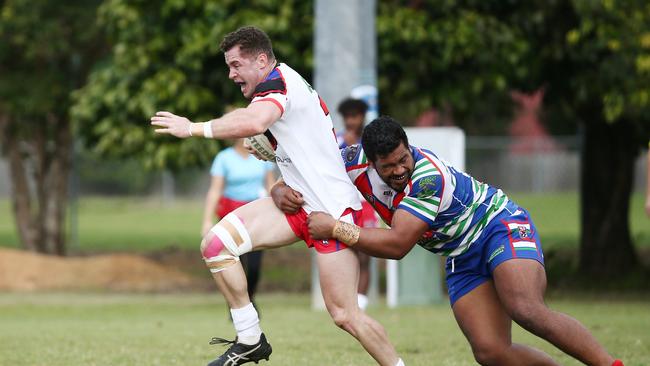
(455, 56)
(594, 60)
(591, 57)
(165, 56)
(46, 50)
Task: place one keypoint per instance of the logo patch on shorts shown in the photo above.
(496, 252)
(522, 229)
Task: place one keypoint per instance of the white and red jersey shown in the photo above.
(307, 152)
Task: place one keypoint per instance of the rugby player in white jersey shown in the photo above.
(286, 108)
(495, 265)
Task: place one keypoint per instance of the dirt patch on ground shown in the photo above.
(26, 271)
(285, 269)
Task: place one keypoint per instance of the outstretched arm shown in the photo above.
(393, 243)
(242, 122)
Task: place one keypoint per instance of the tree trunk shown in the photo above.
(607, 172)
(57, 192)
(39, 169)
(20, 197)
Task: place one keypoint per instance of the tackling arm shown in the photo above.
(391, 243)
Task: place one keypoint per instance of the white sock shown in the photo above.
(247, 324)
(400, 363)
(362, 300)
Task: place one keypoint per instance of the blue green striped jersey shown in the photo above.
(455, 206)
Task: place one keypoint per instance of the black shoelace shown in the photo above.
(217, 340)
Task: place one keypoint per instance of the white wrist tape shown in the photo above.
(189, 128)
(207, 130)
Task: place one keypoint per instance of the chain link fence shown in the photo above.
(514, 165)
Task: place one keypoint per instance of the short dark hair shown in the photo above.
(351, 106)
(382, 136)
(251, 40)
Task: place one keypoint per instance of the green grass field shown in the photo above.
(174, 329)
(132, 224)
(114, 329)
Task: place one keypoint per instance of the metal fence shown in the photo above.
(515, 165)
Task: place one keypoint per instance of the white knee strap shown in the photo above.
(218, 263)
(233, 235)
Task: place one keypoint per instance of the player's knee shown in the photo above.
(225, 242)
(527, 313)
(488, 354)
(206, 243)
(343, 318)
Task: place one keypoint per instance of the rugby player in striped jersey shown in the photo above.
(495, 265)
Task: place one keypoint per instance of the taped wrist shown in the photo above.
(347, 233)
(207, 130)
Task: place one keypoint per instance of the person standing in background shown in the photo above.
(353, 112)
(237, 178)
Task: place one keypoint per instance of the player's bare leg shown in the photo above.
(267, 228)
(520, 285)
(339, 273)
(255, 226)
(364, 279)
(487, 327)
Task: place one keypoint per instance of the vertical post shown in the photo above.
(345, 51)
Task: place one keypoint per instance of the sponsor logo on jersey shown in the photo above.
(285, 160)
(427, 187)
(351, 153)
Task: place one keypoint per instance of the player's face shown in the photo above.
(245, 70)
(395, 169)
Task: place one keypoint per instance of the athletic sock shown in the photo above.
(618, 363)
(400, 363)
(362, 300)
(247, 324)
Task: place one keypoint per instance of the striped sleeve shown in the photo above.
(425, 196)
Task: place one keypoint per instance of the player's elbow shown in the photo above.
(252, 123)
(395, 251)
(251, 128)
(257, 127)
(400, 253)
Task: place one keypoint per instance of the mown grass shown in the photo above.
(117, 329)
(142, 225)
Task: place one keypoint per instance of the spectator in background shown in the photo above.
(353, 112)
(237, 178)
